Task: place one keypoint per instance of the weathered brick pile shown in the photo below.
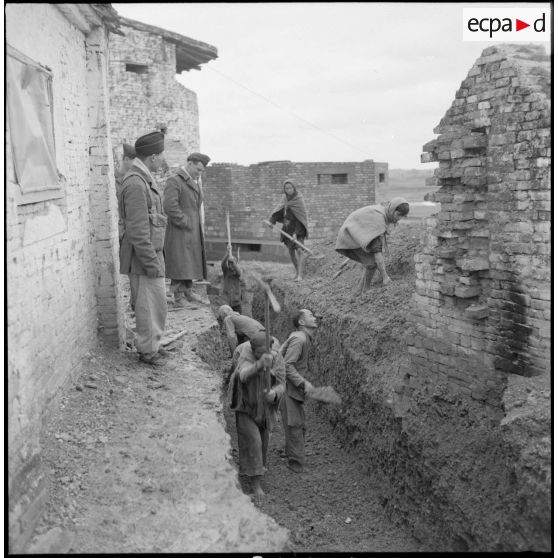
(250, 193)
(482, 289)
(139, 101)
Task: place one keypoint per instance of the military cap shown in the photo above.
(150, 144)
(128, 150)
(199, 157)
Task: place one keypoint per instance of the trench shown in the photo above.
(335, 505)
(448, 474)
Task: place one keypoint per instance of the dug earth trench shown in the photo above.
(458, 474)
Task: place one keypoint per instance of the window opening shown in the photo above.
(137, 68)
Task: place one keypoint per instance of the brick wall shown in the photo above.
(483, 277)
(250, 193)
(57, 253)
(138, 101)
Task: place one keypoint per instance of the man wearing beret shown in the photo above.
(141, 249)
(184, 239)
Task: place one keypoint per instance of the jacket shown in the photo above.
(184, 239)
(141, 210)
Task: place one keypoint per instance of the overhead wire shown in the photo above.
(293, 114)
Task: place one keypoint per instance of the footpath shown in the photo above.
(139, 461)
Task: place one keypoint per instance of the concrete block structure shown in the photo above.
(61, 223)
(143, 63)
(331, 191)
(483, 277)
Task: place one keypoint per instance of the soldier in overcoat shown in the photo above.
(184, 239)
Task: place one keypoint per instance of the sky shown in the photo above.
(322, 81)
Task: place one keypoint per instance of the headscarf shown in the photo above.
(295, 203)
(392, 205)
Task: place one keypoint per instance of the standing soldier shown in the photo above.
(184, 239)
(295, 354)
(141, 249)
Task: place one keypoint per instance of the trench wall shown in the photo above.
(61, 247)
(460, 475)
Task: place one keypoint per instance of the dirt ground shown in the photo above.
(127, 455)
(139, 461)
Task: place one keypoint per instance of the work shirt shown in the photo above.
(247, 394)
(295, 352)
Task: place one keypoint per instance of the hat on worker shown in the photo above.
(128, 150)
(199, 157)
(150, 144)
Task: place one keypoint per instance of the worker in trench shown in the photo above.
(363, 238)
(255, 391)
(238, 328)
(233, 282)
(291, 211)
(295, 351)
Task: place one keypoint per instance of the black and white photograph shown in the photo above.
(278, 278)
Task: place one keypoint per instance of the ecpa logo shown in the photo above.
(506, 24)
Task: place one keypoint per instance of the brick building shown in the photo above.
(483, 279)
(331, 191)
(143, 63)
(61, 223)
(475, 397)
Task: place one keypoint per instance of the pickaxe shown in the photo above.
(286, 235)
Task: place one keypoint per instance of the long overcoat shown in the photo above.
(184, 240)
(140, 206)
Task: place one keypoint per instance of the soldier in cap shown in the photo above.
(184, 239)
(141, 249)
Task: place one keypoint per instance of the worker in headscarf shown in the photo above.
(292, 213)
(363, 237)
(255, 391)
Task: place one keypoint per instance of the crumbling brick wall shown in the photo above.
(61, 254)
(139, 101)
(250, 193)
(474, 399)
(482, 290)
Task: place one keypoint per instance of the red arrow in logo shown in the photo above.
(519, 25)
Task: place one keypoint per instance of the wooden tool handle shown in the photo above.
(286, 235)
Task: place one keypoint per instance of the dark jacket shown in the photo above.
(141, 209)
(184, 240)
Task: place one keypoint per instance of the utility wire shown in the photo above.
(288, 111)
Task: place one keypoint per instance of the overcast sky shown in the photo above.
(321, 81)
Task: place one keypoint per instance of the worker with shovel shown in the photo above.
(292, 213)
(363, 238)
(255, 391)
(295, 352)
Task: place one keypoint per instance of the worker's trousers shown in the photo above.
(294, 425)
(151, 311)
(253, 442)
